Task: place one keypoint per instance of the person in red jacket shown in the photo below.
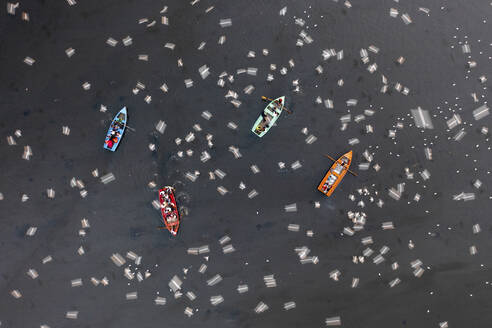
(109, 143)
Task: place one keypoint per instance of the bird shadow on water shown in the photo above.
(266, 225)
(329, 203)
(136, 232)
(20, 231)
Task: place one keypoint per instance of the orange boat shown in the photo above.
(335, 175)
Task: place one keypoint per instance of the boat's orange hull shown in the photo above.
(339, 176)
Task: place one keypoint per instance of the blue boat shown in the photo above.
(116, 130)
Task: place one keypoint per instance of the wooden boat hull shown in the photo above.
(273, 111)
(170, 218)
(337, 171)
(116, 130)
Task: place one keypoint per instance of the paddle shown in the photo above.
(268, 99)
(336, 160)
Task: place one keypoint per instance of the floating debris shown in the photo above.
(296, 165)
(188, 311)
(131, 296)
(127, 41)
(225, 22)
(422, 118)
(31, 231)
(202, 268)
(216, 300)
(222, 190)
(27, 153)
(333, 321)
(406, 19)
(481, 112)
(161, 127)
(117, 259)
(76, 282)
(16, 294)
(261, 307)
(394, 282)
(29, 61)
(50, 193)
(241, 289)
(387, 225)
(11, 7)
(291, 207)
(175, 284)
(289, 306)
(32, 273)
(72, 314)
(293, 227)
(107, 178)
(270, 281)
(111, 42)
(228, 249)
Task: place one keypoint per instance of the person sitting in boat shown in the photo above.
(165, 199)
(329, 182)
(340, 166)
(338, 169)
(172, 218)
(109, 143)
(277, 104)
(266, 121)
(114, 133)
(259, 129)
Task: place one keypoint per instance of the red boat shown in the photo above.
(169, 209)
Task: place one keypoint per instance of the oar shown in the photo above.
(336, 160)
(266, 98)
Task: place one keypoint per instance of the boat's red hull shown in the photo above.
(171, 225)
